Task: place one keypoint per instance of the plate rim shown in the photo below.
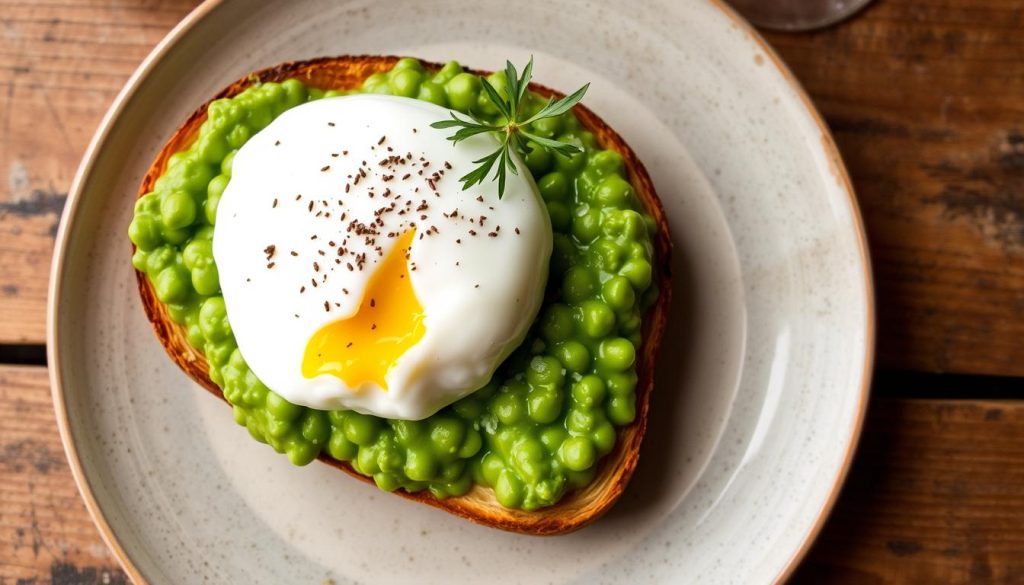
(131, 86)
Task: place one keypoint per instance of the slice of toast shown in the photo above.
(577, 508)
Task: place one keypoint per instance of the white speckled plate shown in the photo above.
(762, 382)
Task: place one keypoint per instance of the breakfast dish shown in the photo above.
(314, 247)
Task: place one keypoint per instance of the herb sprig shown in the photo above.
(511, 127)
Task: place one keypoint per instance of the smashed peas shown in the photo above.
(540, 427)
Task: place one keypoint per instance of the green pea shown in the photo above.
(614, 191)
(544, 370)
(552, 436)
(574, 355)
(374, 82)
(366, 461)
(341, 448)
(447, 435)
(206, 280)
(388, 482)
(528, 458)
(389, 459)
(607, 254)
(580, 421)
(557, 324)
(544, 405)
(578, 284)
(491, 467)
(638, 272)
(579, 479)
(171, 285)
(239, 135)
(433, 92)
(563, 254)
(509, 408)
(497, 81)
(406, 82)
(471, 445)
(218, 353)
(596, 319)
(241, 415)
(213, 319)
(621, 383)
(148, 204)
(228, 163)
(469, 408)
(408, 63)
(177, 210)
(587, 225)
(616, 354)
(159, 259)
(446, 73)
(538, 160)
(197, 253)
(589, 391)
(281, 409)
(508, 489)
(174, 236)
(560, 216)
(420, 465)
(577, 453)
(554, 186)
(571, 164)
(361, 429)
(315, 427)
(300, 452)
(256, 395)
(617, 291)
(621, 410)
(604, 437)
(547, 127)
(144, 232)
(463, 90)
(607, 162)
(295, 92)
(408, 432)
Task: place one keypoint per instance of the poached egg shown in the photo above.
(356, 272)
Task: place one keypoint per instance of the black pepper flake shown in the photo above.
(458, 240)
(480, 198)
(373, 303)
(347, 187)
(334, 155)
(270, 265)
(476, 286)
(344, 290)
(325, 168)
(327, 306)
(277, 143)
(344, 153)
(275, 203)
(448, 165)
(331, 124)
(269, 251)
(349, 344)
(302, 289)
(517, 231)
(492, 235)
(310, 206)
(373, 326)
(472, 232)
(381, 141)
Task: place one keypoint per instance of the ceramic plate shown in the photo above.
(761, 386)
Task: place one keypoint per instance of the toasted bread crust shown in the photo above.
(576, 509)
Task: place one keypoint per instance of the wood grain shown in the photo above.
(934, 497)
(46, 536)
(926, 100)
(61, 64)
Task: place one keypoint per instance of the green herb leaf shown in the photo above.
(511, 132)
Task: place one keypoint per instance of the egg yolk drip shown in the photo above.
(363, 347)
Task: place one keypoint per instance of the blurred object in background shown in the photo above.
(796, 15)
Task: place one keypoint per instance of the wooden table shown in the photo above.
(926, 99)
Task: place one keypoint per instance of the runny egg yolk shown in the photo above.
(363, 347)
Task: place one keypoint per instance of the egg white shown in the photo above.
(479, 294)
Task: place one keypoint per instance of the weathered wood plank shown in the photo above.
(61, 64)
(925, 99)
(936, 495)
(46, 535)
